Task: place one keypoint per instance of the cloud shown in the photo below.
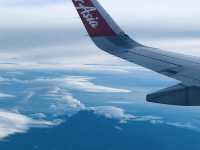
(37, 17)
(72, 102)
(58, 91)
(12, 123)
(4, 95)
(116, 113)
(112, 113)
(85, 84)
(38, 116)
(121, 102)
(17, 3)
(181, 125)
(156, 18)
(65, 102)
(82, 83)
(49, 31)
(62, 102)
(103, 67)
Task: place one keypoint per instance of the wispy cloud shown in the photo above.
(4, 95)
(82, 83)
(12, 123)
(85, 84)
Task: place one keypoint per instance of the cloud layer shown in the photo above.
(48, 31)
(49, 95)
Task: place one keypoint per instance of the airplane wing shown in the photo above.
(108, 36)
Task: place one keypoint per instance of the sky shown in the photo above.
(49, 32)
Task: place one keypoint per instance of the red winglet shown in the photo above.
(94, 23)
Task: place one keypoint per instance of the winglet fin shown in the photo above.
(95, 19)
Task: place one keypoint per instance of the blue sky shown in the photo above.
(49, 31)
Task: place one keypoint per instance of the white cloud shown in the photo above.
(187, 125)
(14, 73)
(188, 46)
(121, 102)
(156, 17)
(142, 13)
(106, 67)
(153, 14)
(112, 113)
(85, 84)
(72, 102)
(2, 79)
(56, 15)
(15, 3)
(4, 95)
(151, 119)
(63, 103)
(38, 116)
(82, 83)
(11, 123)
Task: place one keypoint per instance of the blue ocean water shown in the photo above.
(99, 107)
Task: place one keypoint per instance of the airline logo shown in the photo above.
(86, 12)
(92, 18)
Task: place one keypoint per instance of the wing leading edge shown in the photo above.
(108, 36)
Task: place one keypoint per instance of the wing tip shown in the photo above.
(93, 19)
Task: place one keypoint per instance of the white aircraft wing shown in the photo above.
(108, 36)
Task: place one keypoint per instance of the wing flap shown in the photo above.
(177, 95)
